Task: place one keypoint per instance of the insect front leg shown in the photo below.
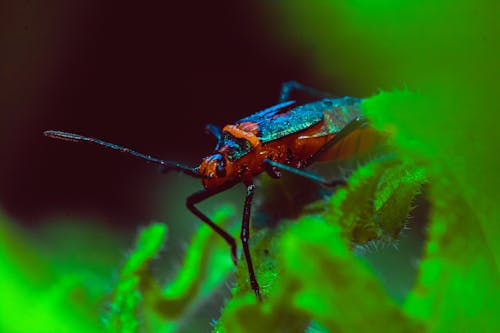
(245, 237)
(214, 130)
(200, 196)
(288, 88)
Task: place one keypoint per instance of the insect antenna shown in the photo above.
(165, 165)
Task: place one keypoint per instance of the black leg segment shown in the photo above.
(197, 197)
(289, 87)
(306, 174)
(245, 237)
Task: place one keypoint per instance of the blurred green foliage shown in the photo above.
(124, 312)
(436, 63)
(45, 291)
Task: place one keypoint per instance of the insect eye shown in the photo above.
(232, 155)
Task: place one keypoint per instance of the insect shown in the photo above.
(288, 137)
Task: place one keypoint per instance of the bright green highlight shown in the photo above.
(149, 242)
(376, 202)
(125, 309)
(459, 286)
(38, 297)
(334, 287)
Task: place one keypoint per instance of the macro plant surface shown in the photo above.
(435, 62)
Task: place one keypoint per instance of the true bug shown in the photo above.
(288, 137)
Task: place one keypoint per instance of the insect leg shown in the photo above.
(245, 236)
(214, 130)
(289, 87)
(305, 174)
(197, 197)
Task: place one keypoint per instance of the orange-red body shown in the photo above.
(293, 149)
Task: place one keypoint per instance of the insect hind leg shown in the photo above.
(290, 87)
(306, 174)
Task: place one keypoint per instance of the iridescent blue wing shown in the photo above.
(294, 120)
(289, 118)
(267, 114)
(338, 113)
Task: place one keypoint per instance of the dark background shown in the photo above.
(146, 76)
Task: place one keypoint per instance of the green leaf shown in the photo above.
(376, 201)
(125, 308)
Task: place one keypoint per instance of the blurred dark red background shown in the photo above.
(148, 76)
